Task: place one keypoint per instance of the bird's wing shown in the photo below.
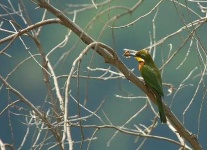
(152, 79)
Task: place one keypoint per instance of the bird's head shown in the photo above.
(141, 56)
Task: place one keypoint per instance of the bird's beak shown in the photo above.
(132, 53)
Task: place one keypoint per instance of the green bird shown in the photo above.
(152, 77)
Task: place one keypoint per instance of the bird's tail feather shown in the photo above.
(161, 110)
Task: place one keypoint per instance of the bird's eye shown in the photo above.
(142, 56)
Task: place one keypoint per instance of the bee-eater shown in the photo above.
(151, 76)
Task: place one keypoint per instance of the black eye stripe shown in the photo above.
(141, 55)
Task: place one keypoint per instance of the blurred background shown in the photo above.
(178, 25)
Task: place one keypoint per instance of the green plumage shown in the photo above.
(152, 78)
